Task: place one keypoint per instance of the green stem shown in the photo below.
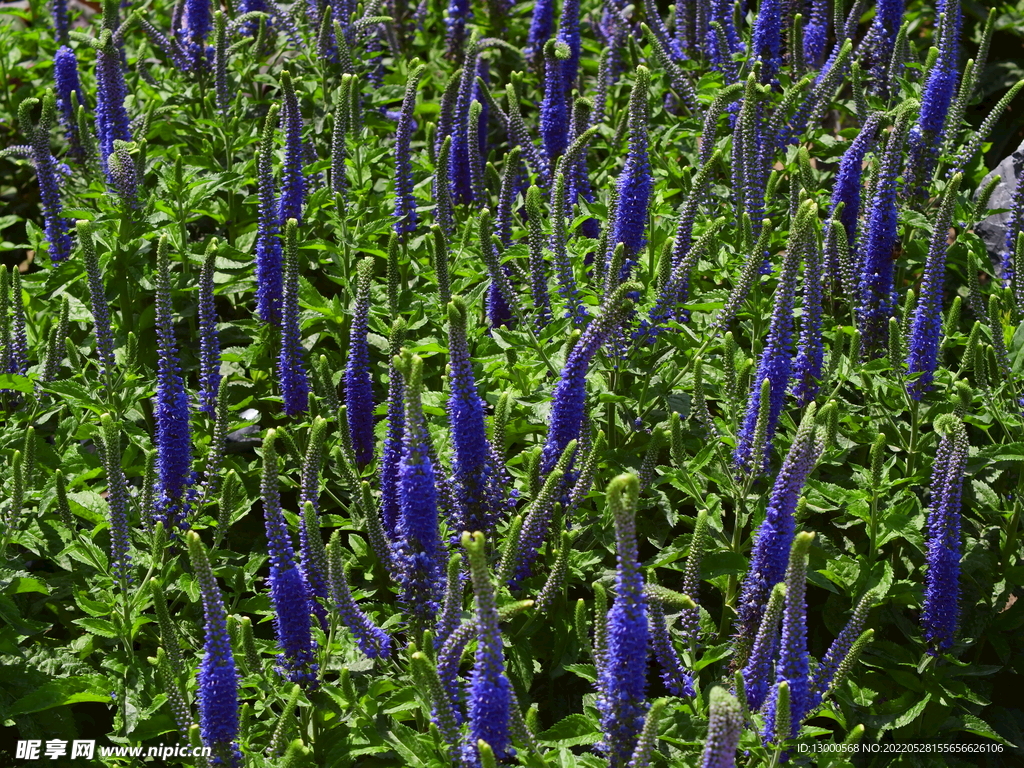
(914, 429)
(7, 91)
(1009, 546)
(675, 379)
(613, 381)
(540, 348)
(735, 545)
(873, 534)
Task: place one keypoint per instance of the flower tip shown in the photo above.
(623, 491)
(802, 542)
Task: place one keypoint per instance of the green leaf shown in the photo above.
(973, 724)
(909, 715)
(587, 671)
(723, 563)
(1007, 452)
(21, 584)
(58, 693)
(407, 743)
(75, 394)
(97, 626)
(17, 383)
(572, 731)
(711, 655)
(89, 505)
(10, 615)
(92, 607)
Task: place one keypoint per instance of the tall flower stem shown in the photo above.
(622, 675)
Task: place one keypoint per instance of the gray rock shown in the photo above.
(242, 440)
(992, 230)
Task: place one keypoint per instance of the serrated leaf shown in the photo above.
(711, 655)
(406, 743)
(1005, 452)
(572, 731)
(75, 394)
(59, 693)
(586, 671)
(973, 724)
(21, 584)
(985, 494)
(89, 505)
(10, 615)
(92, 607)
(13, 381)
(97, 626)
(909, 715)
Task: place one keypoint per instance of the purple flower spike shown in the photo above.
(111, 91)
(926, 327)
(941, 612)
(848, 183)
(880, 40)
(622, 679)
(490, 693)
(774, 536)
(794, 663)
(635, 182)
(418, 550)
(759, 672)
(293, 181)
(392, 452)
(459, 15)
(218, 678)
(291, 362)
(554, 111)
(542, 23)
(721, 11)
(405, 201)
(483, 72)
(939, 91)
(767, 39)
(372, 640)
(288, 591)
(57, 229)
(313, 557)
(61, 23)
(571, 391)
(268, 241)
(877, 265)
(459, 158)
(14, 358)
(677, 680)
(725, 726)
(170, 409)
(66, 81)
(825, 673)
(811, 350)
(209, 343)
(192, 36)
(569, 34)
(816, 33)
(775, 364)
(358, 384)
(471, 462)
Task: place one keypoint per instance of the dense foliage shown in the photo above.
(555, 385)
